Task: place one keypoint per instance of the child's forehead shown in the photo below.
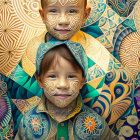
(63, 2)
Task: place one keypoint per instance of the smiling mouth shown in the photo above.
(62, 96)
(62, 31)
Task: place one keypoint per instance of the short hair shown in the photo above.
(50, 58)
(43, 2)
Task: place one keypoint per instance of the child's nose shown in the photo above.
(62, 83)
(64, 20)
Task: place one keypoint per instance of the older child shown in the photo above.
(64, 18)
(61, 114)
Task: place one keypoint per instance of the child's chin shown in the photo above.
(63, 37)
(62, 105)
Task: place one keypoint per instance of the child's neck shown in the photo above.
(60, 114)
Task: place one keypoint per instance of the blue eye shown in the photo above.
(52, 76)
(72, 11)
(71, 76)
(53, 11)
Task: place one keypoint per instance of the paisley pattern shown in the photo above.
(118, 90)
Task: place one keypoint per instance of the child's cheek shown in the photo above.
(74, 87)
(51, 20)
(49, 87)
(76, 21)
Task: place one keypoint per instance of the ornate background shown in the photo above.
(115, 23)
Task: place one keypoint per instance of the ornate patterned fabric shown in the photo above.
(75, 48)
(82, 123)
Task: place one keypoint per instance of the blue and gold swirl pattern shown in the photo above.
(122, 91)
(122, 7)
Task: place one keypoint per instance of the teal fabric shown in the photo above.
(75, 48)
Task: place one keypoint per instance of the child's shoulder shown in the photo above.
(34, 113)
(35, 124)
(89, 115)
(88, 124)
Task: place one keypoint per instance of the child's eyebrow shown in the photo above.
(51, 6)
(74, 7)
(72, 72)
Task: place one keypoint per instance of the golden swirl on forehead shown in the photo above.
(74, 1)
(51, 2)
(62, 2)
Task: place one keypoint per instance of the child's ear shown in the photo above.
(42, 15)
(38, 78)
(87, 12)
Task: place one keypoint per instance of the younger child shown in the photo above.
(61, 68)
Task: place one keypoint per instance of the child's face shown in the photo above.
(63, 18)
(61, 83)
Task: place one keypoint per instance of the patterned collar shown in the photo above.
(42, 108)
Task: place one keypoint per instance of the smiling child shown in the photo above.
(61, 114)
(64, 18)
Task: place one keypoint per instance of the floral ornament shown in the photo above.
(90, 124)
(35, 124)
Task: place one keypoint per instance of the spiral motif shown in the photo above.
(130, 52)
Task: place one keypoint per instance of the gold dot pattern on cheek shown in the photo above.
(51, 19)
(76, 22)
(74, 87)
(49, 88)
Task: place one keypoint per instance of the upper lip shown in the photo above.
(62, 29)
(62, 95)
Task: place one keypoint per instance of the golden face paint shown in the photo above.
(51, 2)
(63, 2)
(61, 84)
(63, 18)
(52, 94)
